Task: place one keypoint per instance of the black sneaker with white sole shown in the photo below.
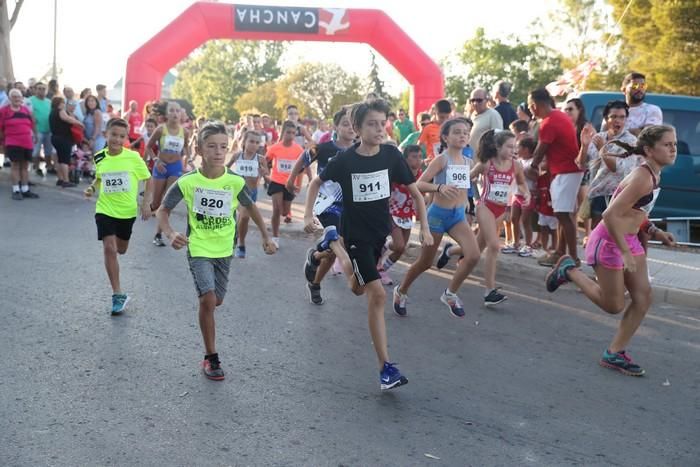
(494, 298)
(314, 293)
(310, 265)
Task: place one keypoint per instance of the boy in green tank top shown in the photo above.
(212, 194)
(118, 172)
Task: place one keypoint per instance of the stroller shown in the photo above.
(82, 165)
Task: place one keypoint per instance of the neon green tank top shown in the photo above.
(211, 208)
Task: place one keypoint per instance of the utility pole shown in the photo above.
(55, 16)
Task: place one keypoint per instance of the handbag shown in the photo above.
(77, 133)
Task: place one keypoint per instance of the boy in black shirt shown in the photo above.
(365, 172)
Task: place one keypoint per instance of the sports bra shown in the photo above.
(440, 178)
(172, 144)
(645, 203)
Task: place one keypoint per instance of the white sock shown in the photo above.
(387, 264)
(15, 188)
(25, 188)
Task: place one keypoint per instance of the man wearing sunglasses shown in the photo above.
(641, 114)
(483, 117)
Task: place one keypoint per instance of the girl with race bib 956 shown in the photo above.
(448, 178)
(251, 166)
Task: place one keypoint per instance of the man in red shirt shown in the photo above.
(557, 141)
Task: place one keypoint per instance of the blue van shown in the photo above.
(680, 183)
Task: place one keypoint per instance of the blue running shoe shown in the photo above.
(330, 234)
(119, 302)
(453, 303)
(444, 256)
(240, 252)
(390, 377)
(557, 276)
(400, 300)
(621, 362)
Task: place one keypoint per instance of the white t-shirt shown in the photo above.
(644, 115)
(489, 120)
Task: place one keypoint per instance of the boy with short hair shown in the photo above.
(118, 172)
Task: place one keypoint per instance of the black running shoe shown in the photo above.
(314, 293)
(444, 256)
(211, 367)
(310, 265)
(158, 240)
(494, 298)
(29, 194)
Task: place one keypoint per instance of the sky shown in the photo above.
(90, 53)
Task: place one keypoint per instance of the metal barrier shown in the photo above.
(680, 228)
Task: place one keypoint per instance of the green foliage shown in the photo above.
(215, 75)
(662, 39)
(319, 90)
(374, 82)
(483, 61)
(261, 99)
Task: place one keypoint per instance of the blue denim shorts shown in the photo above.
(173, 169)
(441, 220)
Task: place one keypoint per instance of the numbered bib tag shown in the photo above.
(371, 186)
(499, 193)
(214, 203)
(173, 144)
(285, 165)
(246, 168)
(403, 222)
(116, 182)
(323, 202)
(458, 176)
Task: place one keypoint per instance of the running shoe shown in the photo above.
(384, 277)
(29, 194)
(453, 303)
(240, 251)
(525, 251)
(288, 219)
(276, 241)
(158, 240)
(68, 184)
(310, 265)
(621, 362)
(549, 260)
(330, 234)
(444, 256)
(494, 298)
(17, 196)
(400, 300)
(557, 276)
(390, 377)
(211, 367)
(509, 250)
(314, 293)
(119, 301)
(59, 182)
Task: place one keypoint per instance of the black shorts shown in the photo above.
(17, 154)
(364, 257)
(327, 219)
(63, 148)
(598, 205)
(277, 188)
(107, 225)
(471, 210)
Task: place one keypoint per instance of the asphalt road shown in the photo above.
(518, 385)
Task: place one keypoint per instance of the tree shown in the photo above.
(483, 61)
(662, 39)
(374, 82)
(7, 22)
(262, 99)
(318, 89)
(218, 73)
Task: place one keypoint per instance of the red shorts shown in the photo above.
(519, 200)
(497, 209)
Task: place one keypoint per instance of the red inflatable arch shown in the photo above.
(205, 21)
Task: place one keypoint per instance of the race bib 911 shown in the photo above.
(371, 186)
(214, 203)
(116, 182)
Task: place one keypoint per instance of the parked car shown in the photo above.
(680, 183)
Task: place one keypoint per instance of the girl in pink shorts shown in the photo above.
(614, 249)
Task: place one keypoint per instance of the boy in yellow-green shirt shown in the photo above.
(118, 172)
(212, 194)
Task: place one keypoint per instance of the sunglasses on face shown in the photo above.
(638, 86)
(476, 101)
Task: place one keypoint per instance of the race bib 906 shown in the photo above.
(371, 186)
(116, 182)
(214, 203)
(458, 176)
